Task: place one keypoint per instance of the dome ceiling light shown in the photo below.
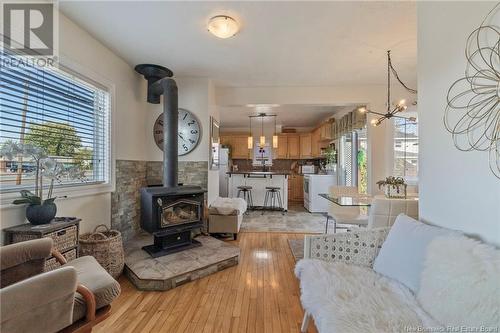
(223, 26)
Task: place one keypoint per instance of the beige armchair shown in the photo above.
(383, 211)
(344, 215)
(72, 298)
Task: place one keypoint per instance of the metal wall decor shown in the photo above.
(472, 113)
(392, 111)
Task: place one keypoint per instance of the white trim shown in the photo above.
(78, 190)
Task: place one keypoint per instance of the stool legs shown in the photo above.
(273, 201)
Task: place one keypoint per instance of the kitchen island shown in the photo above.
(258, 180)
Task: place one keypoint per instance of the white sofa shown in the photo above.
(410, 277)
(226, 215)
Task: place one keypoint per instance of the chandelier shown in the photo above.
(392, 111)
(262, 138)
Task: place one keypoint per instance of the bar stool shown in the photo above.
(273, 194)
(247, 195)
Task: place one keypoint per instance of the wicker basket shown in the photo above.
(106, 247)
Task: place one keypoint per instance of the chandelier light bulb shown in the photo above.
(250, 142)
(275, 141)
(362, 109)
(262, 141)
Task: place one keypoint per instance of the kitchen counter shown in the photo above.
(264, 173)
(259, 180)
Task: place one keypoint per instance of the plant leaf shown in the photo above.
(21, 201)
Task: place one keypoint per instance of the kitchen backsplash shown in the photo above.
(278, 165)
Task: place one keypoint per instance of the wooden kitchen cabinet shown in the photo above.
(239, 147)
(282, 151)
(293, 146)
(305, 145)
(296, 188)
(315, 142)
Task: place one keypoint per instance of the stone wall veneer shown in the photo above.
(131, 176)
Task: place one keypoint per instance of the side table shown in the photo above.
(63, 230)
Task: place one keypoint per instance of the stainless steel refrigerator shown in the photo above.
(223, 170)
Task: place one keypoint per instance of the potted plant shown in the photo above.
(395, 187)
(331, 160)
(40, 210)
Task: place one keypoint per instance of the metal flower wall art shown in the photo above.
(472, 114)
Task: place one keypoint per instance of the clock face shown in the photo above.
(189, 132)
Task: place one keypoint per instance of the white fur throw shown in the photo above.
(228, 206)
(346, 298)
(460, 282)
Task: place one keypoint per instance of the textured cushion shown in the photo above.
(93, 276)
(228, 206)
(348, 298)
(460, 284)
(24, 259)
(42, 303)
(403, 252)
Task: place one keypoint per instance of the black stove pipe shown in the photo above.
(170, 132)
(160, 83)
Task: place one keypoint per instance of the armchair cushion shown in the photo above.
(22, 260)
(42, 303)
(402, 254)
(93, 276)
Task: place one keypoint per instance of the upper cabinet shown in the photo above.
(305, 145)
(238, 144)
(290, 145)
(282, 151)
(293, 146)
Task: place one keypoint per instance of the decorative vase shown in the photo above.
(398, 192)
(41, 214)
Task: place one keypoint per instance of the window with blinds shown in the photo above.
(57, 111)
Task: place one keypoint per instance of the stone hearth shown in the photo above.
(173, 270)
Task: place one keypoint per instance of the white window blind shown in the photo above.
(65, 114)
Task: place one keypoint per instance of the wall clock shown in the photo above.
(189, 134)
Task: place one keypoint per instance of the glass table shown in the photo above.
(349, 201)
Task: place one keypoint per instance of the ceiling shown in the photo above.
(280, 43)
(289, 115)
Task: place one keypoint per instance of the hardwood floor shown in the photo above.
(260, 294)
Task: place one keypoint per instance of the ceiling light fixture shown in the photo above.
(391, 111)
(223, 26)
(262, 137)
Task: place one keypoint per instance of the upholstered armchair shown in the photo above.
(72, 298)
(383, 211)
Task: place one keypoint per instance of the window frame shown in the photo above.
(412, 181)
(68, 191)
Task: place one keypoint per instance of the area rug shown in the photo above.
(297, 248)
(296, 220)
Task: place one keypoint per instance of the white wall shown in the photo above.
(457, 190)
(213, 175)
(379, 138)
(83, 51)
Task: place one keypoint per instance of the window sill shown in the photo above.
(67, 192)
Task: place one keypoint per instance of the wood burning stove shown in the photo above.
(170, 212)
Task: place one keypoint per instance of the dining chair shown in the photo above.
(383, 211)
(344, 214)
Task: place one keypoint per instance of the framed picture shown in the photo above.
(214, 144)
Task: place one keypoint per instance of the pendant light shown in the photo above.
(262, 141)
(275, 137)
(400, 107)
(250, 137)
